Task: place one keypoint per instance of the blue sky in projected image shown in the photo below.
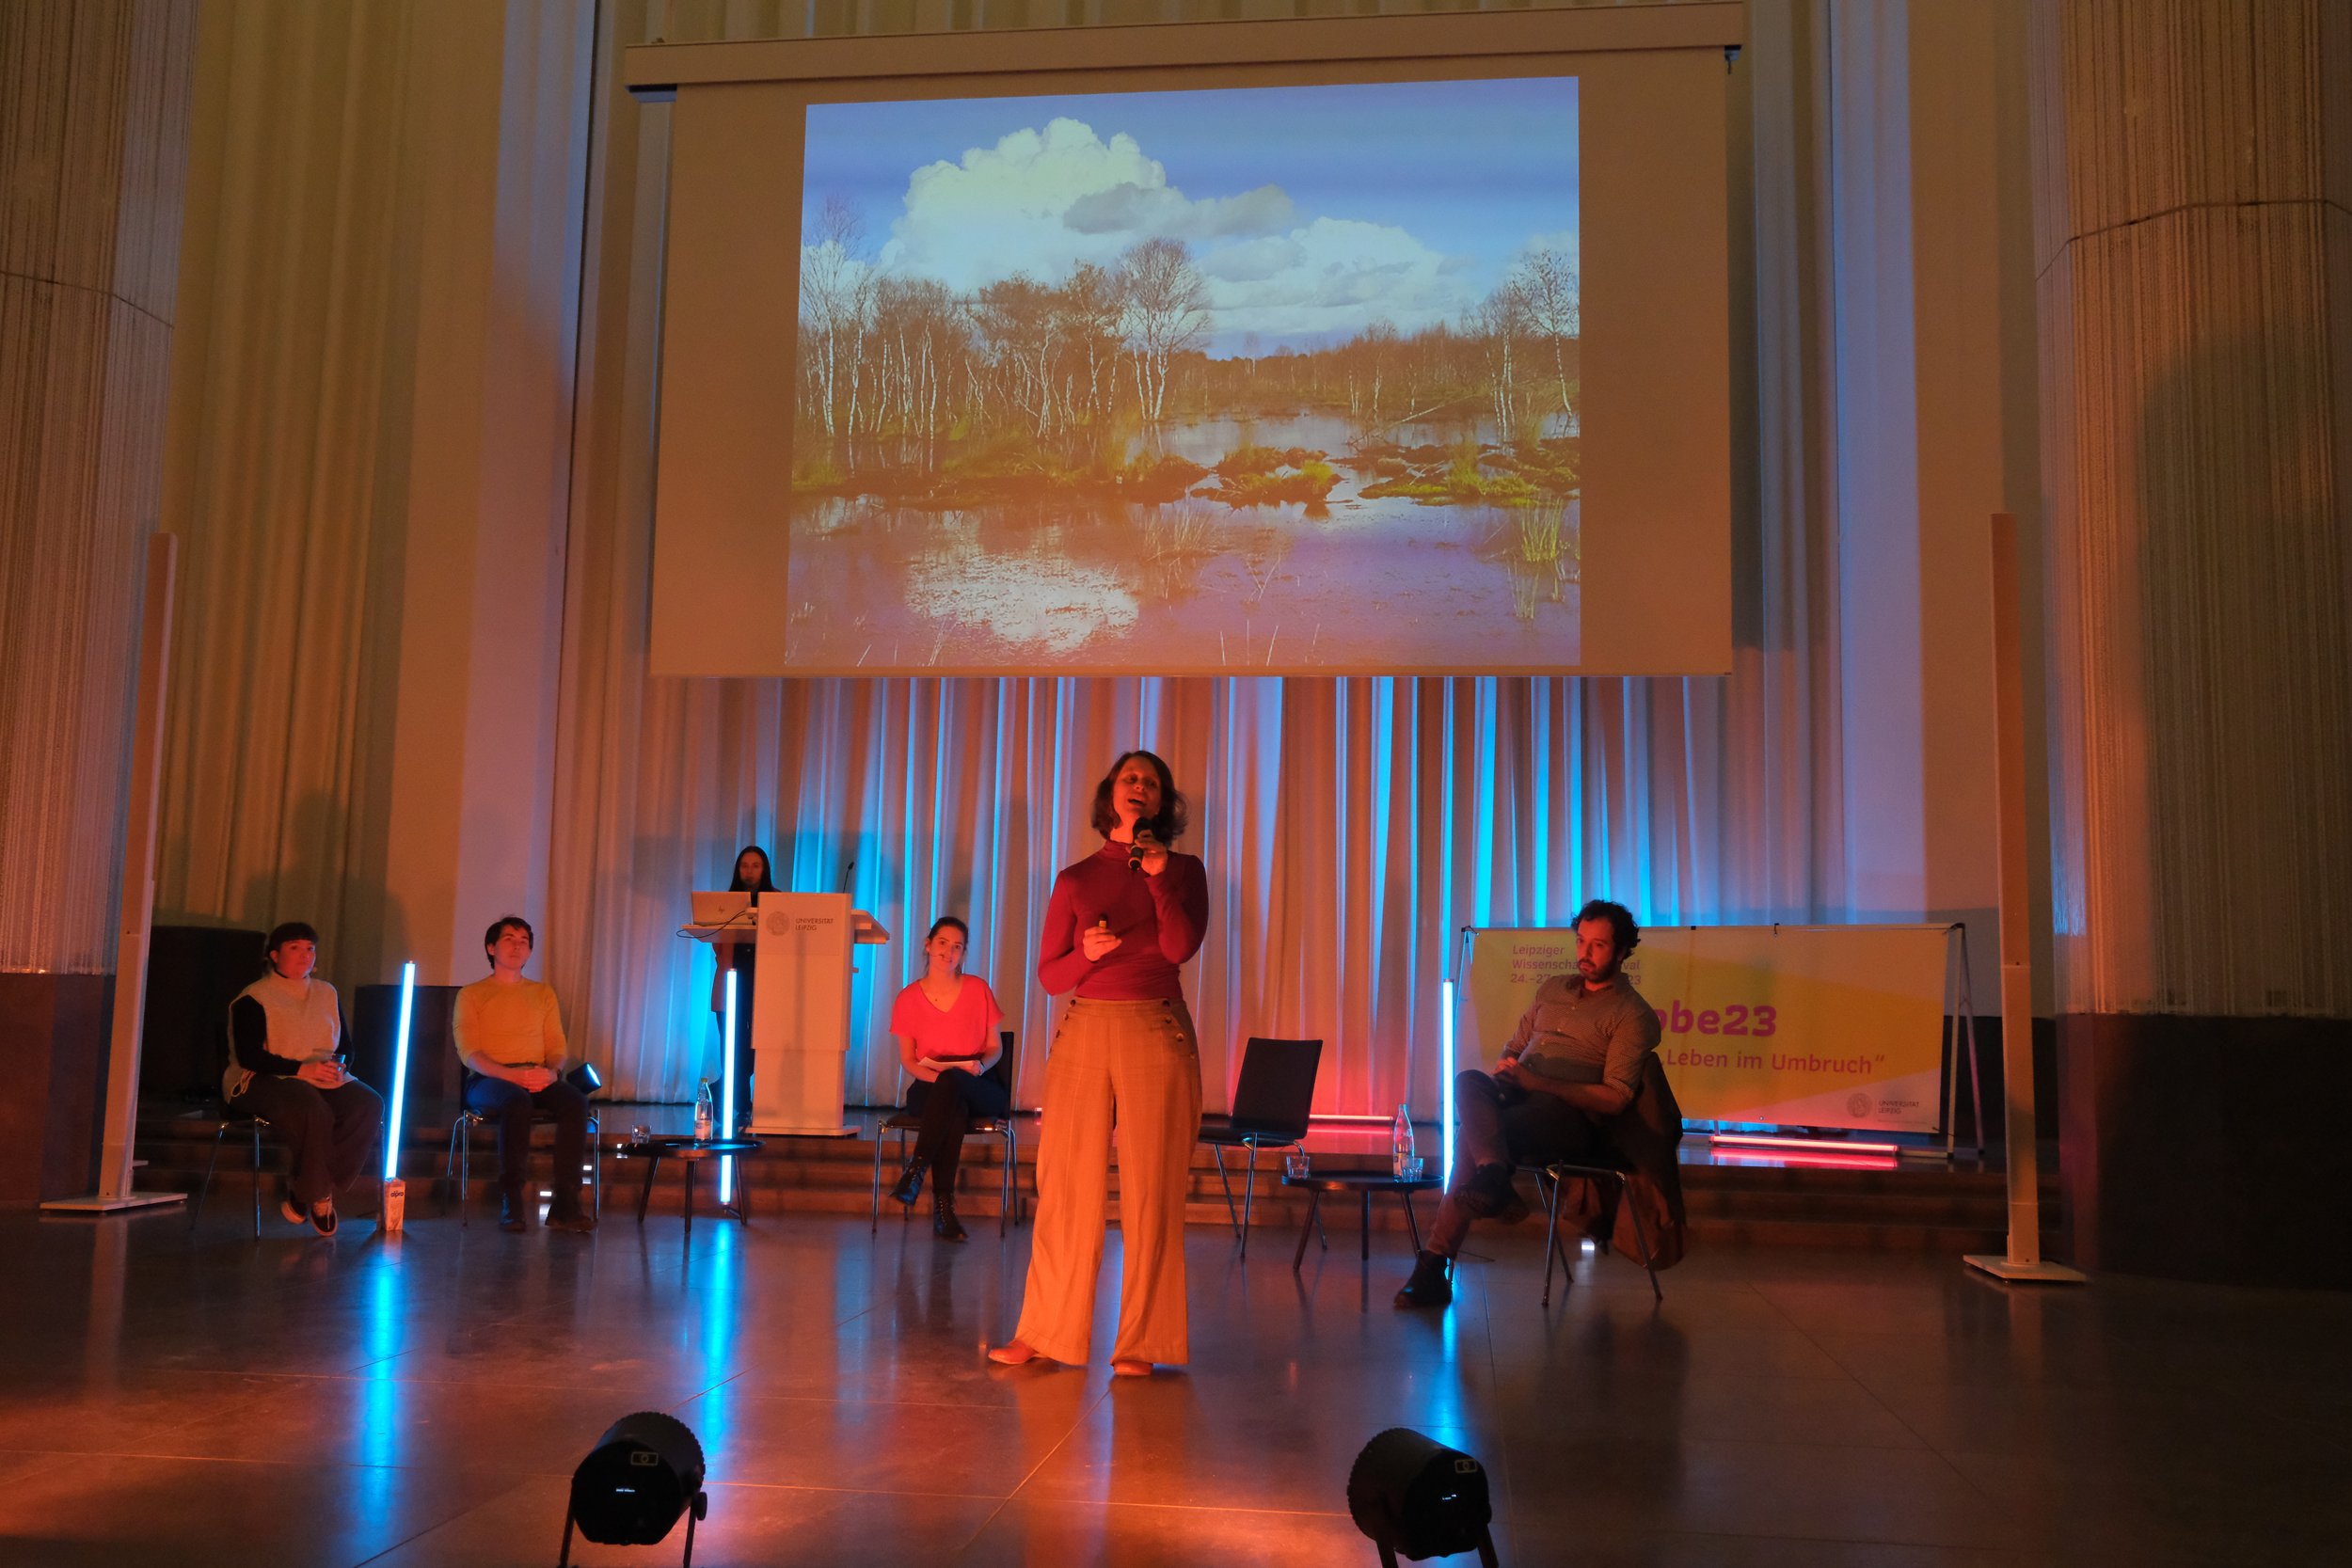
(1311, 210)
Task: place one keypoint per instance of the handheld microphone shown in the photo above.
(1135, 848)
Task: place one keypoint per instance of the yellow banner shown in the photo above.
(1790, 1025)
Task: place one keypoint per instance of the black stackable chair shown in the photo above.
(458, 1161)
(1548, 1179)
(904, 1124)
(233, 1120)
(1271, 1103)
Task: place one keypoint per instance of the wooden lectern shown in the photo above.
(801, 1009)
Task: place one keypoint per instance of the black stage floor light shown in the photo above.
(644, 1472)
(1413, 1495)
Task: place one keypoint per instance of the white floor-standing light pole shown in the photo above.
(139, 903)
(394, 1211)
(2024, 1258)
(1445, 1073)
(726, 1098)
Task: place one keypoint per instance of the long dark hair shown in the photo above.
(767, 871)
(1168, 826)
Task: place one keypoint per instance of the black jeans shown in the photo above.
(511, 1107)
(947, 1107)
(1497, 1125)
(328, 1133)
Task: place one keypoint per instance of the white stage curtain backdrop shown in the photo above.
(1350, 827)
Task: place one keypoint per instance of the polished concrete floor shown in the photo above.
(191, 1401)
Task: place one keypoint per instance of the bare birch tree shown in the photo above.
(1166, 312)
(832, 279)
(1548, 284)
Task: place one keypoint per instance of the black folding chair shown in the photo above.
(1272, 1101)
(905, 1122)
(1548, 1179)
(234, 1118)
(458, 1161)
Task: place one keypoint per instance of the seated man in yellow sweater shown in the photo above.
(509, 1035)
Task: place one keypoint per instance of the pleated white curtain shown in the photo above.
(1351, 828)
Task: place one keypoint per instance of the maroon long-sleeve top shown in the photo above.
(1159, 922)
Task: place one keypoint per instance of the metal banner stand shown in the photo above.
(1960, 1036)
(113, 1192)
(2024, 1260)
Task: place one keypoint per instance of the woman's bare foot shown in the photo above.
(1012, 1353)
(1131, 1367)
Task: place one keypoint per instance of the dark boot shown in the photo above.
(573, 1215)
(1429, 1286)
(513, 1215)
(943, 1222)
(910, 1185)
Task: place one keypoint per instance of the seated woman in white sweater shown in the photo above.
(285, 1063)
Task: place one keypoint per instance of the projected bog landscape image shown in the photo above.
(1281, 378)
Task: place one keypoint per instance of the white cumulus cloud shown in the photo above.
(1331, 278)
(1040, 202)
(1163, 211)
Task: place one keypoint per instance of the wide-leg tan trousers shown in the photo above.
(1139, 1062)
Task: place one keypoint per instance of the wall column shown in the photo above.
(2193, 168)
(490, 470)
(93, 132)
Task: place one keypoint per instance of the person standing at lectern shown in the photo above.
(1575, 1060)
(285, 1064)
(1116, 927)
(737, 952)
(509, 1033)
(945, 1027)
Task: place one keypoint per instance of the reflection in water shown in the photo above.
(1055, 606)
(1065, 576)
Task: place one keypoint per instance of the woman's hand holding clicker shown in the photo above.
(1096, 940)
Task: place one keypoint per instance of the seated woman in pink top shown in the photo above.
(944, 1026)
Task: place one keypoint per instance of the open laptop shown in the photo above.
(723, 908)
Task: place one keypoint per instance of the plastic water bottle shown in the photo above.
(701, 1112)
(1401, 1145)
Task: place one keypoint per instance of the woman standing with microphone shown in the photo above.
(1116, 927)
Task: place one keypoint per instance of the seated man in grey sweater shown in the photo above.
(1576, 1059)
(285, 1064)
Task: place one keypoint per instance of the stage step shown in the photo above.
(1919, 1207)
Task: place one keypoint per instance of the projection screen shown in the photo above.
(1361, 346)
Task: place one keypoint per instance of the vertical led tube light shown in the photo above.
(726, 1098)
(1445, 1069)
(392, 1123)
